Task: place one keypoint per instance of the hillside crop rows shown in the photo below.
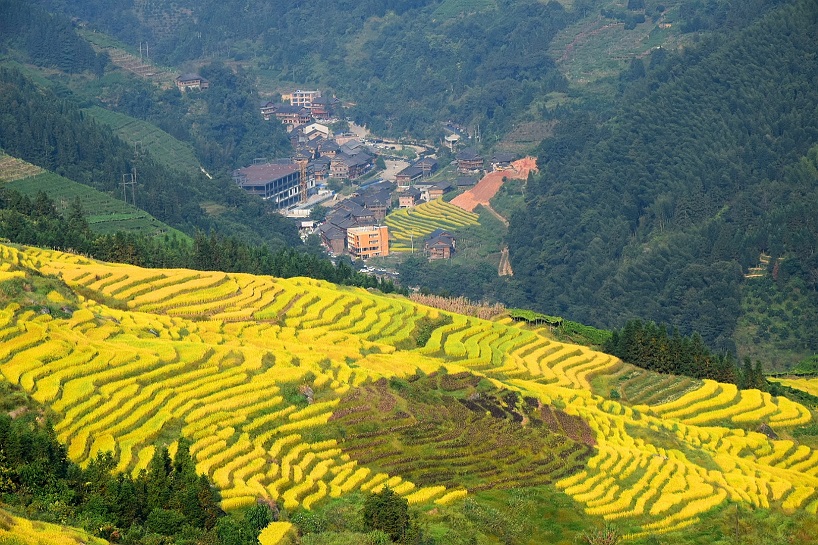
(107, 214)
(227, 360)
(808, 385)
(408, 224)
(12, 168)
(15, 529)
(147, 137)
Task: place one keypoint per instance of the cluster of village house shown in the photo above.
(354, 225)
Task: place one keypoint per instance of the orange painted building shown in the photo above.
(369, 241)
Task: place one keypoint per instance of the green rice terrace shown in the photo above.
(409, 226)
(312, 395)
(106, 214)
(163, 147)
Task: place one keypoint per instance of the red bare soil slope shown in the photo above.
(491, 182)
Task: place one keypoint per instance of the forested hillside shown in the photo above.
(658, 208)
(46, 39)
(223, 125)
(54, 134)
(407, 66)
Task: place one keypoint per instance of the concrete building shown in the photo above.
(278, 183)
(370, 241)
(301, 98)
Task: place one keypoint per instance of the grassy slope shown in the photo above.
(162, 146)
(143, 355)
(106, 214)
(595, 50)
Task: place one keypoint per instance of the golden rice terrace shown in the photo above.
(299, 390)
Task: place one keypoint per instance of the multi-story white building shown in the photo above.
(301, 98)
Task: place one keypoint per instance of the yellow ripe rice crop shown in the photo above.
(425, 494)
(238, 502)
(809, 385)
(418, 222)
(281, 443)
(165, 296)
(17, 530)
(313, 409)
(144, 458)
(310, 500)
(224, 475)
(708, 388)
(275, 533)
(33, 336)
(306, 423)
(789, 414)
(354, 480)
(797, 497)
(11, 275)
(403, 488)
(125, 380)
(378, 479)
(451, 496)
(766, 408)
(291, 496)
(206, 465)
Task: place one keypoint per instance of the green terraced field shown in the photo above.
(162, 146)
(106, 213)
(414, 224)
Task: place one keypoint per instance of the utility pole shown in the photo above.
(129, 180)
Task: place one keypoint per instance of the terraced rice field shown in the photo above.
(808, 385)
(222, 358)
(107, 214)
(415, 224)
(17, 530)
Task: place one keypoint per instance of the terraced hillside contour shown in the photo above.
(229, 360)
(408, 227)
(106, 214)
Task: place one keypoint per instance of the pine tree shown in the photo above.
(388, 512)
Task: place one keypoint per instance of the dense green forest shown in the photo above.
(46, 39)
(407, 66)
(656, 207)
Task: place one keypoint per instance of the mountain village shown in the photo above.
(353, 224)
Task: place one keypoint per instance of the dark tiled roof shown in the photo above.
(329, 145)
(411, 172)
(468, 154)
(266, 172)
(437, 233)
(190, 77)
(331, 231)
(427, 162)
